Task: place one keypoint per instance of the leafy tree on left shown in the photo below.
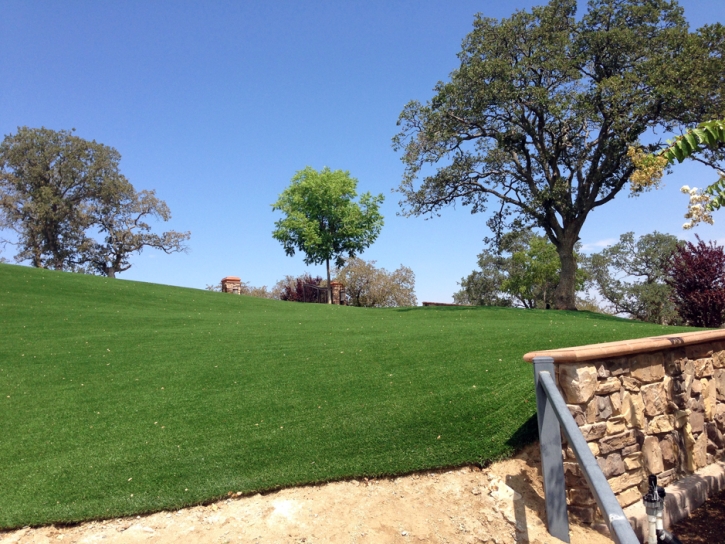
(56, 188)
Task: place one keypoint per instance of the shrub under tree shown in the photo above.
(298, 289)
(696, 274)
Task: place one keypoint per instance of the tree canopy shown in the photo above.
(538, 118)
(520, 269)
(120, 214)
(631, 276)
(372, 287)
(47, 178)
(323, 221)
(58, 192)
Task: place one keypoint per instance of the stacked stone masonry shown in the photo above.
(661, 412)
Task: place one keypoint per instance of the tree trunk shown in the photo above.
(329, 285)
(565, 293)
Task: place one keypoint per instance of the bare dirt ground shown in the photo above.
(500, 504)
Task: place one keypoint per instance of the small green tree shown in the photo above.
(630, 275)
(323, 221)
(519, 269)
(534, 273)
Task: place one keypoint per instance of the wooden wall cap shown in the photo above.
(609, 350)
(231, 278)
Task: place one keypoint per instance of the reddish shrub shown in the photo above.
(696, 274)
(298, 289)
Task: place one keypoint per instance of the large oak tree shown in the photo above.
(60, 193)
(538, 118)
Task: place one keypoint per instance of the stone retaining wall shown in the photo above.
(649, 406)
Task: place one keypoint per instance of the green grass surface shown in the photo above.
(119, 397)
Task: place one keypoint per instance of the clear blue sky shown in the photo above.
(217, 104)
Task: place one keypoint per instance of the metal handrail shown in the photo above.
(553, 415)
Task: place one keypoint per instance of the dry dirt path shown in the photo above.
(500, 504)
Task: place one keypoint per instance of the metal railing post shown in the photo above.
(552, 461)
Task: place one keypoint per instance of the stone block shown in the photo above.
(696, 405)
(652, 455)
(578, 382)
(700, 451)
(696, 388)
(629, 496)
(626, 480)
(709, 398)
(703, 367)
(667, 384)
(611, 465)
(689, 440)
(594, 431)
(616, 425)
(648, 367)
(697, 422)
(633, 410)
(720, 416)
(670, 451)
(718, 359)
(672, 363)
(680, 401)
(667, 477)
(714, 434)
(630, 384)
(688, 375)
(661, 424)
(629, 450)
(617, 442)
(655, 399)
(602, 370)
(720, 383)
(619, 366)
(577, 413)
(591, 410)
(698, 351)
(632, 462)
(604, 408)
(609, 386)
(616, 400)
(679, 386)
(711, 450)
(581, 497)
(594, 448)
(572, 480)
(681, 417)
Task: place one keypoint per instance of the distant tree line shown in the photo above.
(655, 278)
(365, 286)
(71, 209)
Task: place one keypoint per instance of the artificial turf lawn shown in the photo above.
(119, 397)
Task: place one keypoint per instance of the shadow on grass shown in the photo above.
(527, 434)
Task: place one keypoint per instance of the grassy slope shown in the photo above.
(119, 397)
